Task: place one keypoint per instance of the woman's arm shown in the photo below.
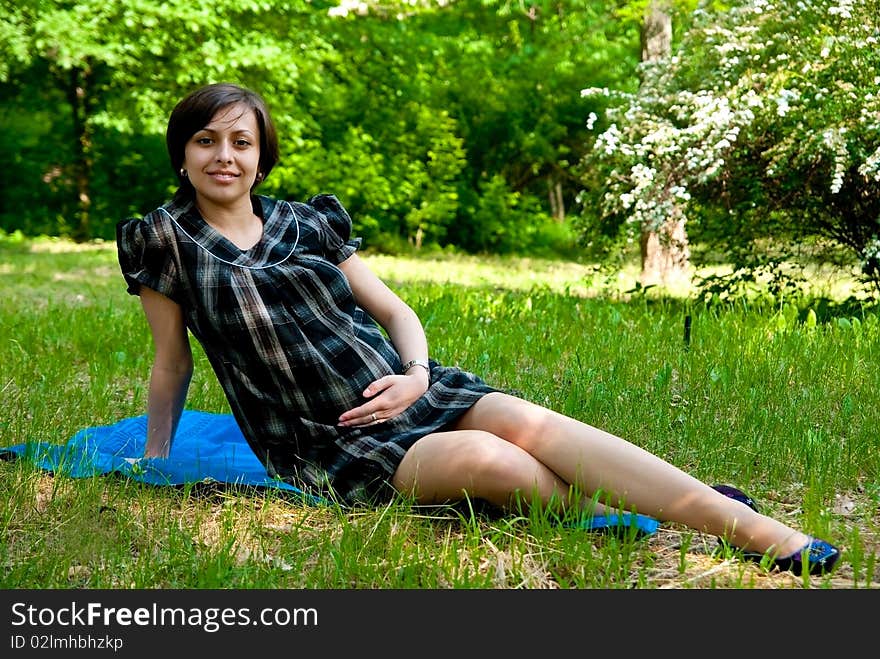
(393, 314)
(171, 372)
(406, 333)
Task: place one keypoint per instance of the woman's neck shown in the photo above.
(237, 223)
(238, 214)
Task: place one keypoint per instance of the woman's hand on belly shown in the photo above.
(387, 397)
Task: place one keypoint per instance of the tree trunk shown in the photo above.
(656, 32)
(666, 254)
(557, 204)
(664, 250)
(77, 97)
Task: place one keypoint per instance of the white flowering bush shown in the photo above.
(764, 122)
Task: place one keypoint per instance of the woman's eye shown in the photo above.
(242, 143)
(203, 140)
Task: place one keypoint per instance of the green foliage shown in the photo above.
(502, 221)
(408, 113)
(110, 72)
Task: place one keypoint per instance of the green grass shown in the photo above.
(760, 398)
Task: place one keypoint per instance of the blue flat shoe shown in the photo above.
(736, 493)
(620, 525)
(815, 557)
(821, 556)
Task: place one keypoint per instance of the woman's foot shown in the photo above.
(816, 556)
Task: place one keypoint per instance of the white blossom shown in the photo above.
(842, 9)
(871, 167)
(871, 252)
(833, 138)
(595, 91)
(806, 89)
(782, 100)
(609, 141)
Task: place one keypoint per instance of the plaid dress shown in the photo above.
(287, 342)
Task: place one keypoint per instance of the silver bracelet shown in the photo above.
(416, 362)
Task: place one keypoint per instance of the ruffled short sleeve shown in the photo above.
(145, 258)
(337, 241)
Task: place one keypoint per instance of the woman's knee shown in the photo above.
(500, 471)
(468, 459)
(518, 421)
(490, 458)
(477, 453)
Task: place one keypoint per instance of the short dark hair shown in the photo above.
(196, 110)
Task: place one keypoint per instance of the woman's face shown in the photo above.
(222, 159)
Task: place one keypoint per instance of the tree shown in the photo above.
(762, 125)
(504, 77)
(448, 124)
(664, 249)
(115, 68)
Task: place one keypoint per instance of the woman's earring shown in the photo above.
(182, 172)
(259, 176)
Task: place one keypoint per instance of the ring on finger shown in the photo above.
(373, 417)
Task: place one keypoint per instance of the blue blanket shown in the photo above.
(208, 447)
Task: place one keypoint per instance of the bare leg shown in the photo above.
(573, 452)
(446, 466)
